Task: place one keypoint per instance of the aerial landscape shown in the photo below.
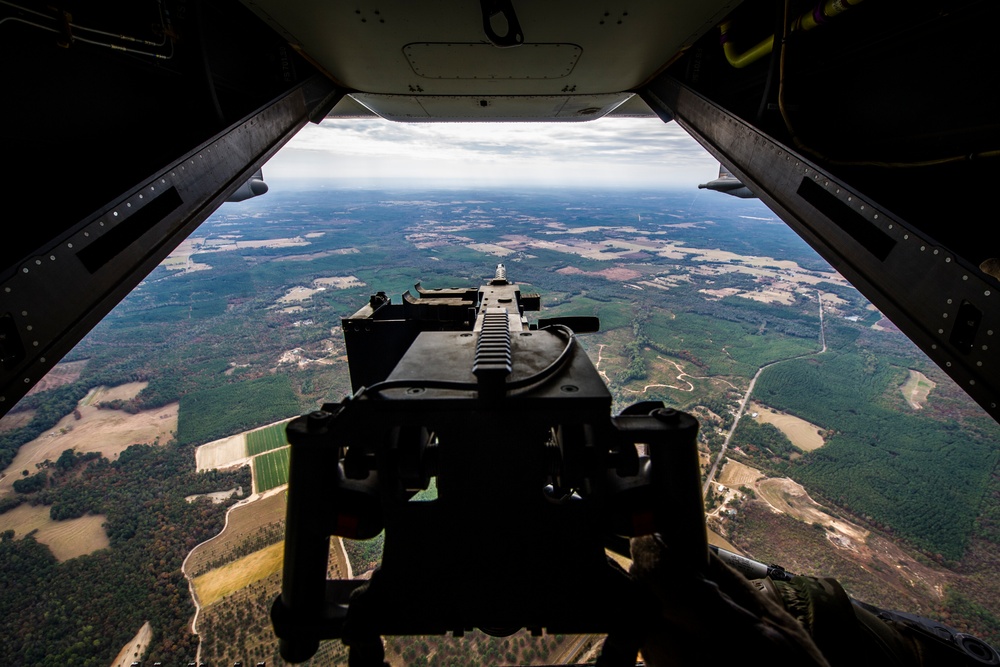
(142, 483)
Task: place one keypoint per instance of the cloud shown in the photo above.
(611, 151)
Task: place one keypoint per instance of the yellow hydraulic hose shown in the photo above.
(815, 18)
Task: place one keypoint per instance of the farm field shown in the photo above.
(265, 439)
(236, 598)
(248, 528)
(270, 470)
(222, 453)
(220, 582)
(735, 474)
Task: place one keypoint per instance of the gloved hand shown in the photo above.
(700, 615)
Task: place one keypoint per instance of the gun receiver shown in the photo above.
(534, 479)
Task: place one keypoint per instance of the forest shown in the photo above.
(213, 341)
(908, 474)
(82, 611)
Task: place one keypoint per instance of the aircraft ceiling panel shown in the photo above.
(482, 61)
(370, 47)
(452, 108)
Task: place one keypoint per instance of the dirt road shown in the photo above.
(746, 397)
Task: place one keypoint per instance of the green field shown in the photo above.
(271, 470)
(266, 439)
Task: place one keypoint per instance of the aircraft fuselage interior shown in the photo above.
(872, 128)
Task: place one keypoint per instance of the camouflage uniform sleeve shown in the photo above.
(851, 633)
(699, 616)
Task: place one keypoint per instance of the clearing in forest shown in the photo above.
(802, 434)
(122, 392)
(15, 420)
(61, 374)
(339, 282)
(109, 432)
(735, 474)
(916, 389)
(789, 497)
(66, 539)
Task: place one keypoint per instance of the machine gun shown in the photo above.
(535, 479)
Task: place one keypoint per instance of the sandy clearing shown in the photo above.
(717, 294)
(491, 249)
(317, 255)
(832, 301)
(301, 293)
(183, 251)
(885, 324)
(792, 277)
(109, 432)
(224, 244)
(224, 453)
(716, 255)
(667, 281)
(297, 293)
(135, 649)
(789, 497)
(617, 273)
(714, 261)
(217, 497)
(583, 230)
(67, 539)
(785, 297)
(220, 582)
(185, 265)
(916, 389)
(803, 435)
(339, 282)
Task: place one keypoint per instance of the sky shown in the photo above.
(609, 152)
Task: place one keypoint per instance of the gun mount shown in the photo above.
(535, 479)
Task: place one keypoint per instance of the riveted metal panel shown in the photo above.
(935, 296)
(54, 298)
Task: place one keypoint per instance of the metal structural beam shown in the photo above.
(934, 295)
(56, 296)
